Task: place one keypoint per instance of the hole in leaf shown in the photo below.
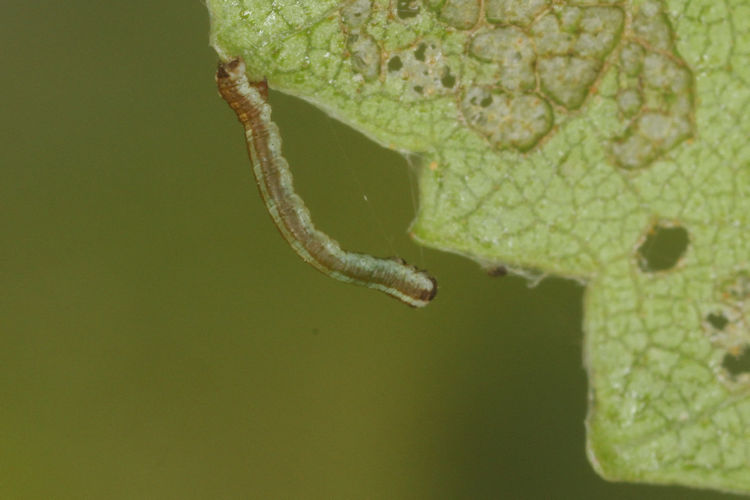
(717, 320)
(663, 248)
(395, 64)
(448, 80)
(737, 364)
(407, 8)
(419, 54)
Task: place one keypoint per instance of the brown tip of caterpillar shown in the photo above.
(426, 294)
(431, 293)
(221, 72)
(228, 68)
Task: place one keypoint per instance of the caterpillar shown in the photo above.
(393, 276)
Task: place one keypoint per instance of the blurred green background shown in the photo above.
(158, 339)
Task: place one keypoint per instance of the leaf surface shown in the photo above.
(603, 141)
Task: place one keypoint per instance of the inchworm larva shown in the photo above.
(392, 276)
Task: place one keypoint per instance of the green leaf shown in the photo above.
(603, 141)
